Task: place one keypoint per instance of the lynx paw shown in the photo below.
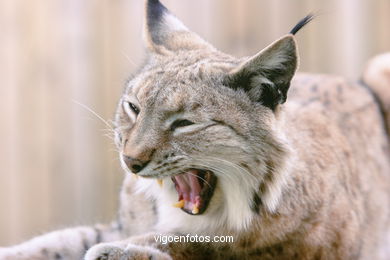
(105, 251)
(112, 251)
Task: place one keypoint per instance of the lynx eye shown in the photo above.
(131, 107)
(181, 123)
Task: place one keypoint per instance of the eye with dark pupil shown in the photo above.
(134, 108)
(181, 123)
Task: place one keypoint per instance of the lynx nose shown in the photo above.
(135, 165)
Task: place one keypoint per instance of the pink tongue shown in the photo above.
(188, 186)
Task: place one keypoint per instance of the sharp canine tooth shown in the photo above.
(179, 204)
(195, 209)
(160, 182)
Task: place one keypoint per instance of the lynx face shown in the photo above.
(205, 124)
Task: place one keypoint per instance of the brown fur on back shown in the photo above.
(336, 205)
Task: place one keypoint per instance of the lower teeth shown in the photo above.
(195, 210)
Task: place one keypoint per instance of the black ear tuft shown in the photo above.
(154, 14)
(164, 31)
(302, 23)
(155, 11)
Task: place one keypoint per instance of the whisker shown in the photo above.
(111, 130)
(108, 135)
(213, 168)
(201, 179)
(94, 113)
(128, 58)
(238, 167)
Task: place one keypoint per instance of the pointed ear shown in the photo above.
(266, 76)
(163, 30)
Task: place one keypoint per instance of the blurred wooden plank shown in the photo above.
(9, 189)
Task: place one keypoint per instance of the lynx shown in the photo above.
(291, 167)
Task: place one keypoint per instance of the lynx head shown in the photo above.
(205, 124)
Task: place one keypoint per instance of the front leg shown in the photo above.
(149, 246)
(123, 250)
(67, 244)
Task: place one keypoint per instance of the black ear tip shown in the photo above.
(153, 2)
(307, 19)
(155, 10)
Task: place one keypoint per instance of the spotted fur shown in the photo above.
(302, 163)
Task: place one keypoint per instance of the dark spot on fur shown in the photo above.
(309, 101)
(195, 106)
(262, 188)
(85, 244)
(256, 253)
(45, 252)
(131, 214)
(321, 164)
(304, 190)
(103, 257)
(385, 148)
(326, 98)
(57, 256)
(319, 254)
(98, 238)
(327, 102)
(119, 224)
(154, 208)
(245, 243)
(256, 203)
(279, 249)
(270, 252)
(339, 89)
(244, 165)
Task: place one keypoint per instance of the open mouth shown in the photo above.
(195, 189)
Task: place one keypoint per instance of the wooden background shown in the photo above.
(57, 167)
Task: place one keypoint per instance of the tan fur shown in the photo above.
(304, 179)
